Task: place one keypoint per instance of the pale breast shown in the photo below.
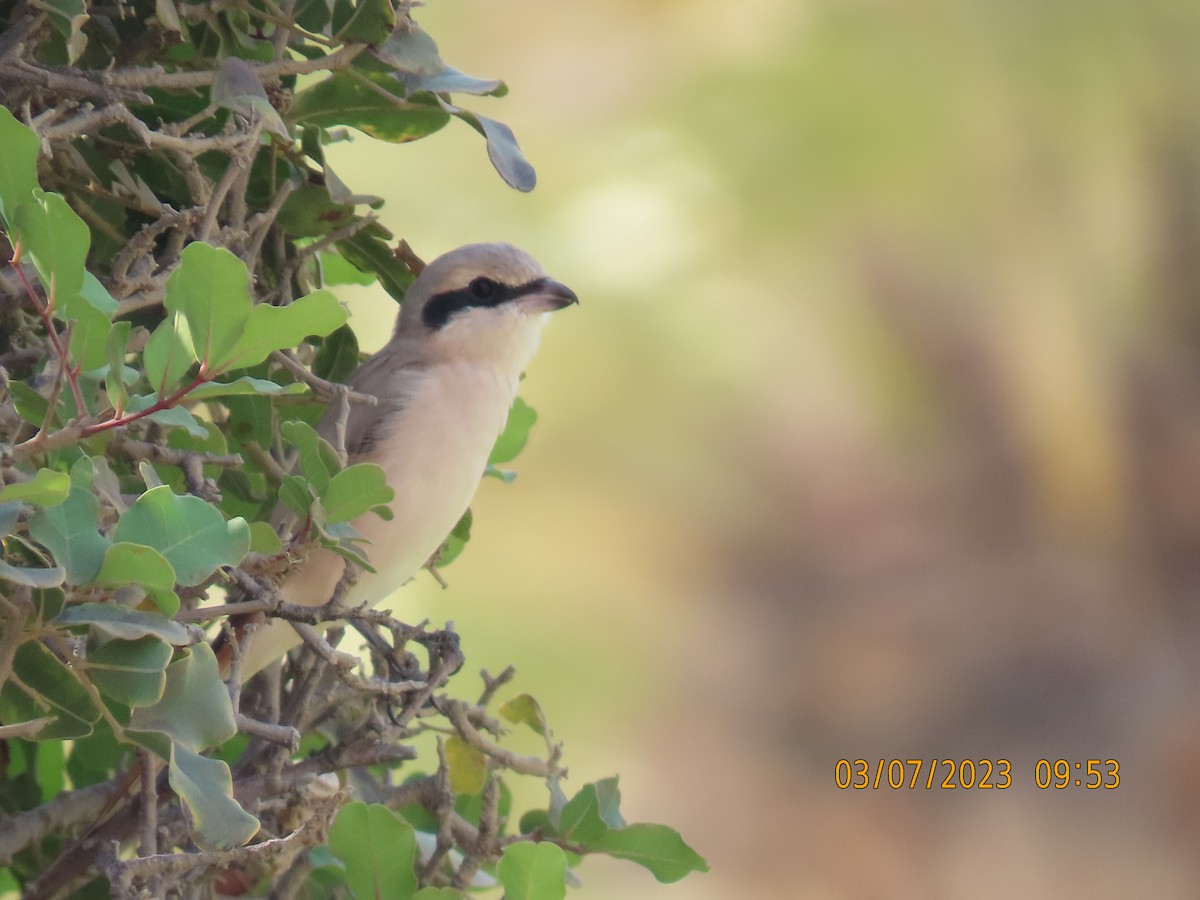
(434, 459)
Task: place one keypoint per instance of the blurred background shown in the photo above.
(876, 434)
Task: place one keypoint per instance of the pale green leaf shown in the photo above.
(318, 462)
(18, 163)
(46, 488)
(69, 531)
(502, 148)
(524, 710)
(345, 99)
(336, 269)
(281, 327)
(210, 288)
(169, 354)
(97, 295)
(656, 847)
(355, 490)
(136, 564)
(191, 533)
(47, 687)
(515, 435)
(245, 385)
(532, 871)
(131, 672)
(206, 787)
(379, 850)
(115, 349)
(89, 338)
(68, 18)
(194, 710)
(122, 622)
(57, 241)
(35, 578)
(468, 766)
(264, 539)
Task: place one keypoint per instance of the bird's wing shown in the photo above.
(390, 376)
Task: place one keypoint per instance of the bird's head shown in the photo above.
(482, 301)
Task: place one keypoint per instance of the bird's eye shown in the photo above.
(483, 288)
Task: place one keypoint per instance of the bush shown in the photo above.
(168, 340)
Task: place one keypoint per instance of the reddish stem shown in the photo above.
(159, 406)
(44, 313)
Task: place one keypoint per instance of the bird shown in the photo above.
(468, 326)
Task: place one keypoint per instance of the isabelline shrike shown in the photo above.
(469, 325)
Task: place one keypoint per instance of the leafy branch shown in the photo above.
(168, 337)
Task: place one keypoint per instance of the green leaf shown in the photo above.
(355, 490)
(363, 21)
(194, 710)
(206, 786)
(57, 240)
(69, 532)
(449, 80)
(338, 356)
(608, 801)
(436, 893)
(515, 435)
(94, 758)
(656, 847)
(191, 533)
(373, 254)
(90, 337)
(313, 15)
(310, 211)
(46, 488)
(280, 327)
(379, 850)
(468, 766)
(532, 871)
(410, 52)
(335, 270)
(263, 539)
(169, 354)
(49, 769)
(245, 385)
(131, 672)
(592, 812)
(144, 566)
(97, 295)
(318, 462)
(294, 493)
(36, 578)
(48, 603)
(124, 623)
(115, 349)
(456, 540)
(414, 57)
(344, 99)
(524, 710)
(18, 163)
(209, 288)
(171, 417)
(51, 688)
(536, 820)
(68, 18)
(31, 406)
(502, 148)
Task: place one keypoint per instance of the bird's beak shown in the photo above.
(547, 295)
